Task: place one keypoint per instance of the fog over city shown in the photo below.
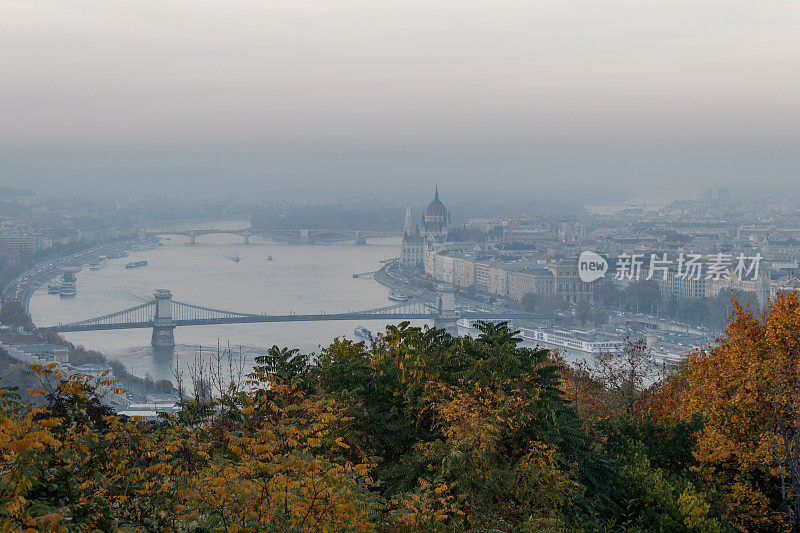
(549, 96)
(519, 266)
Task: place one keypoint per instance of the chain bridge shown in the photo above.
(163, 315)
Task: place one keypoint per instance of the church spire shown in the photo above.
(436, 196)
(408, 225)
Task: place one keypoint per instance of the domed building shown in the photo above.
(416, 240)
(437, 220)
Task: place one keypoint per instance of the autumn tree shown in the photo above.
(747, 389)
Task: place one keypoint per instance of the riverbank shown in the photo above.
(23, 286)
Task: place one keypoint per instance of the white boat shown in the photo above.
(398, 296)
(467, 327)
(236, 258)
(68, 289)
(572, 340)
(362, 333)
(54, 287)
(269, 258)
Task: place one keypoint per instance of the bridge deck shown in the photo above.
(287, 318)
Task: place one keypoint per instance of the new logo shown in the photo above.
(591, 266)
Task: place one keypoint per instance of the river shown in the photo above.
(299, 279)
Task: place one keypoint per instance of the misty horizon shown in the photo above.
(556, 99)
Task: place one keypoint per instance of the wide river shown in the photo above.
(299, 279)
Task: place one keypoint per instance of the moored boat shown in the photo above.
(67, 289)
(54, 287)
(396, 296)
(362, 333)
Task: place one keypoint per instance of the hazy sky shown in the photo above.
(102, 87)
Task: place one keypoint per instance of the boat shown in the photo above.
(67, 289)
(269, 258)
(236, 258)
(54, 287)
(572, 340)
(398, 296)
(362, 333)
(136, 264)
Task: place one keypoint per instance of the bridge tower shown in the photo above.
(163, 326)
(246, 236)
(446, 308)
(360, 240)
(304, 238)
(192, 237)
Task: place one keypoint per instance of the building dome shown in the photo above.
(436, 210)
(436, 217)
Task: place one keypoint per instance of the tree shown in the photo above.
(415, 430)
(643, 296)
(599, 317)
(582, 311)
(13, 314)
(625, 372)
(747, 389)
(529, 301)
(721, 306)
(551, 303)
(607, 292)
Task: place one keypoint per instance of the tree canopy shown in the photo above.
(420, 430)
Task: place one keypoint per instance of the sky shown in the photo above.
(534, 95)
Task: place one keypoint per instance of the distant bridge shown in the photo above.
(301, 236)
(163, 315)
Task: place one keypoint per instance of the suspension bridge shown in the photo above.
(163, 315)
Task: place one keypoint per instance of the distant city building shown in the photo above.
(718, 194)
(25, 243)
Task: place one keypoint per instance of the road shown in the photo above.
(22, 287)
(390, 277)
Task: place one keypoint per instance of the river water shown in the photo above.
(299, 279)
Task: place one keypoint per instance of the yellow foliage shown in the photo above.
(747, 388)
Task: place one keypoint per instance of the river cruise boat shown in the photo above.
(54, 287)
(572, 340)
(396, 296)
(362, 333)
(68, 289)
(269, 258)
(136, 264)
